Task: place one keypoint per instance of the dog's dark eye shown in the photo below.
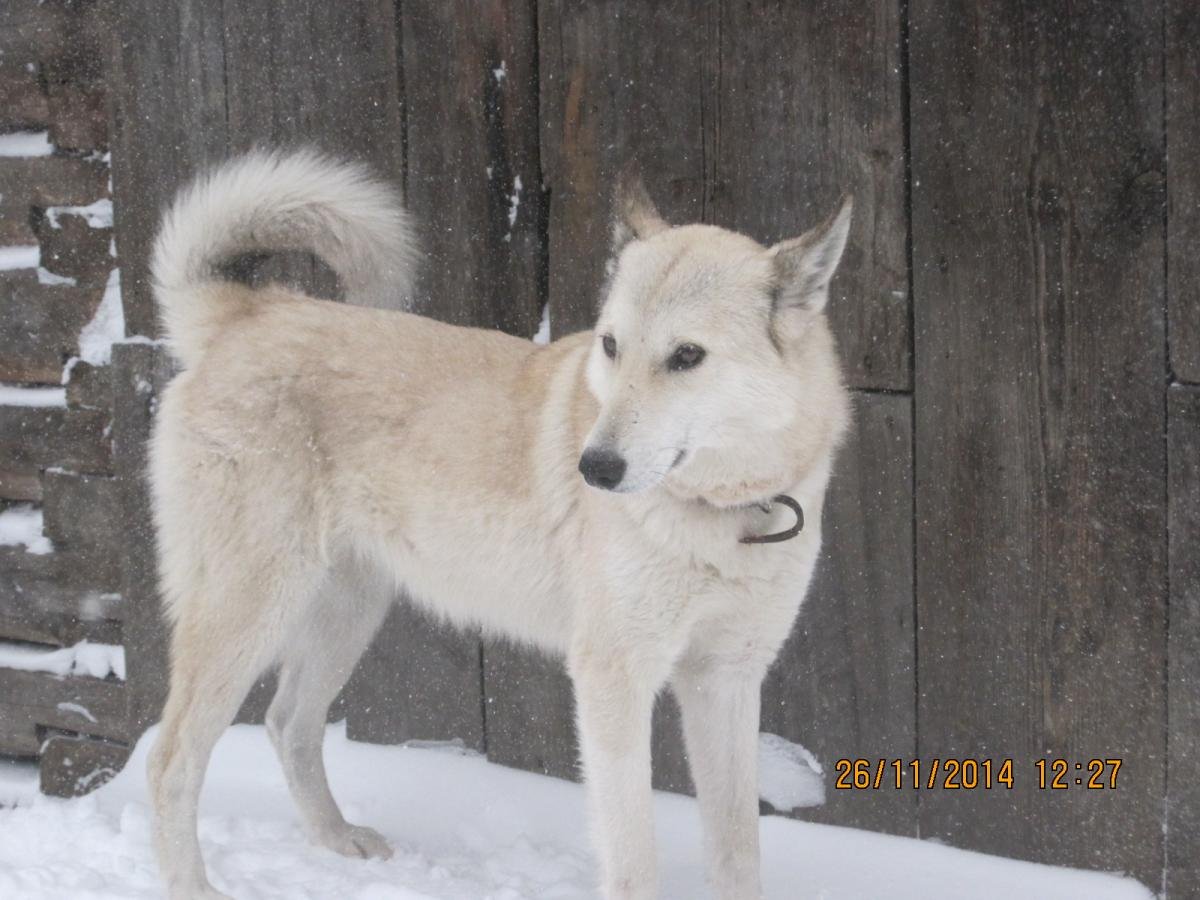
(686, 356)
(610, 346)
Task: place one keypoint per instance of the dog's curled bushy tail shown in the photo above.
(269, 201)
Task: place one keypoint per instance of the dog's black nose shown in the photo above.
(602, 468)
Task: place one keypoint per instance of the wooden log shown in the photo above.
(1183, 646)
(32, 29)
(20, 484)
(81, 513)
(18, 622)
(73, 247)
(78, 115)
(23, 101)
(18, 734)
(89, 386)
(41, 699)
(52, 181)
(1182, 33)
(40, 325)
(1037, 201)
(57, 583)
(57, 598)
(71, 766)
(29, 185)
(33, 438)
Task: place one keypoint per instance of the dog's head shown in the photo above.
(700, 341)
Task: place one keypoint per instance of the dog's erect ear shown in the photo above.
(804, 266)
(634, 215)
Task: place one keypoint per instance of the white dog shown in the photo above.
(313, 459)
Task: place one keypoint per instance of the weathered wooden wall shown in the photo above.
(1010, 530)
(1038, 262)
(55, 409)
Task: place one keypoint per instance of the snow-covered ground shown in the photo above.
(466, 829)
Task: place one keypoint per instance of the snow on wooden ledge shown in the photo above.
(84, 658)
(22, 395)
(21, 525)
(26, 144)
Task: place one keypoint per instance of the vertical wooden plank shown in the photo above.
(810, 106)
(474, 184)
(845, 683)
(530, 711)
(327, 76)
(315, 74)
(715, 130)
(620, 80)
(139, 374)
(1037, 188)
(167, 90)
(419, 680)
(1183, 649)
(1183, 187)
(167, 104)
(474, 179)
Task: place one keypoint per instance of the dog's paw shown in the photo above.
(357, 840)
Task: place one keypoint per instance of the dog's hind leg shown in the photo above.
(212, 669)
(320, 657)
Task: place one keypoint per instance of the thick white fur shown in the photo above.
(313, 459)
(268, 201)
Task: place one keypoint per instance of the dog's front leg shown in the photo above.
(614, 698)
(720, 707)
